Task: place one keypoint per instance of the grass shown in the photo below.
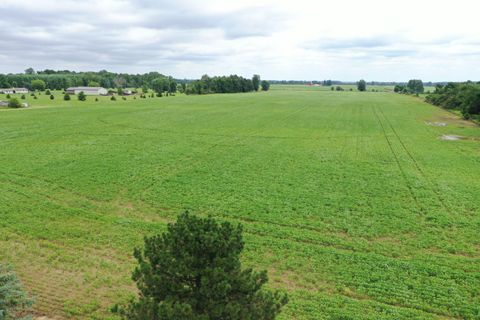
(350, 200)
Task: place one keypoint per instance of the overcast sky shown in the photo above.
(294, 39)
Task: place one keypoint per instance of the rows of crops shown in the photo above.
(350, 200)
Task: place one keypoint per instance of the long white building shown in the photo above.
(89, 91)
(13, 90)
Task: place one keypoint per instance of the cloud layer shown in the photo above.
(279, 39)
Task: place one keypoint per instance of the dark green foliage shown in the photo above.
(362, 85)
(123, 98)
(415, 86)
(193, 271)
(256, 82)
(265, 85)
(23, 97)
(332, 88)
(338, 88)
(82, 96)
(96, 99)
(399, 88)
(47, 92)
(14, 103)
(461, 96)
(230, 84)
(8, 96)
(120, 91)
(113, 98)
(60, 80)
(38, 84)
(52, 97)
(94, 84)
(13, 300)
(164, 84)
(66, 97)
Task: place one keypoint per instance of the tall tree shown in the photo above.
(29, 71)
(256, 82)
(415, 86)
(193, 271)
(362, 85)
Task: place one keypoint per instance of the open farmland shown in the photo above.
(350, 200)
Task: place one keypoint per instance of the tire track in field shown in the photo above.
(397, 160)
(432, 186)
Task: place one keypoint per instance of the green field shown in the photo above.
(350, 200)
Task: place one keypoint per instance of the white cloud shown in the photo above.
(294, 39)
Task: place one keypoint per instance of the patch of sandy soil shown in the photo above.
(450, 137)
(436, 124)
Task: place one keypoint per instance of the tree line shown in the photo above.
(61, 80)
(161, 84)
(225, 84)
(464, 97)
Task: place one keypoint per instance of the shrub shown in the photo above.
(47, 92)
(265, 85)
(113, 98)
(82, 96)
(96, 99)
(123, 98)
(66, 97)
(8, 96)
(23, 97)
(13, 300)
(14, 103)
(193, 271)
(52, 97)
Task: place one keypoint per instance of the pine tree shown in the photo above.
(193, 271)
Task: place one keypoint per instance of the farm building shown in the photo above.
(14, 90)
(3, 103)
(89, 91)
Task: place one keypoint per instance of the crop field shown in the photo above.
(351, 201)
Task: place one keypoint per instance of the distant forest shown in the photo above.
(62, 79)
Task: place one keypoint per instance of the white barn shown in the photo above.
(89, 91)
(13, 90)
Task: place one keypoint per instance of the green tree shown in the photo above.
(29, 71)
(13, 300)
(38, 85)
(362, 85)
(93, 84)
(14, 103)
(66, 97)
(52, 97)
(415, 86)
(265, 85)
(193, 271)
(120, 91)
(256, 82)
(47, 92)
(82, 96)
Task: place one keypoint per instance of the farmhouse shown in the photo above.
(89, 91)
(14, 90)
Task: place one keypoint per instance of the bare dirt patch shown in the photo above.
(436, 124)
(451, 137)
